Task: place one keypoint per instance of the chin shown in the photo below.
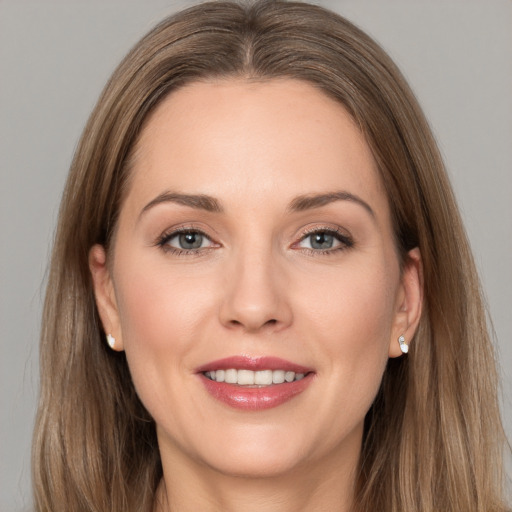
(253, 452)
(242, 465)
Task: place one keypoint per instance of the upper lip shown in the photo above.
(243, 362)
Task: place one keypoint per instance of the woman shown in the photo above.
(261, 294)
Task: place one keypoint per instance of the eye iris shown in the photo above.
(321, 241)
(190, 240)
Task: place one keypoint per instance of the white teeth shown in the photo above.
(278, 376)
(263, 377)
(252, 378)
(246, 378)
(231, 377)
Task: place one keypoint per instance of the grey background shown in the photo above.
(54, 60)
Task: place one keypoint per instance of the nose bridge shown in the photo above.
(255, 295)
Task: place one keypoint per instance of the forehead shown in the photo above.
(264, 139)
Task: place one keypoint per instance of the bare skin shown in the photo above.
(291, 255)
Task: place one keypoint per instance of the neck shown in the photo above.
(322, 485)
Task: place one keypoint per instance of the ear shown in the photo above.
(105, 294)
(409, 302)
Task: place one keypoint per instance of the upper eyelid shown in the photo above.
(184, 229)
(321, 230)
(304, 233)
(173, 232)
(177, 231)
(331, 230)
(344, 238)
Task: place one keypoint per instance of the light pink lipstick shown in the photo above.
(255, 397)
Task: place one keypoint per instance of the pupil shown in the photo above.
(321, 241)
(191, 240)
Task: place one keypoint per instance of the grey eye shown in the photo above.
(321, 240)
(325, 240)
(190, 240)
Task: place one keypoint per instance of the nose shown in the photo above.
(255, 296)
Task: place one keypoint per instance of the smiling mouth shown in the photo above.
(259, 378)
(255, 383)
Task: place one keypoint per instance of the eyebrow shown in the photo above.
(197, 201)
(309, 201)
(298, 204)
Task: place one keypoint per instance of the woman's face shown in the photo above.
(255, 242)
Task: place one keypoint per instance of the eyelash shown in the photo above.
(346, 242)
(164, 239)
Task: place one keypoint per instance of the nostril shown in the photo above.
(269, 323)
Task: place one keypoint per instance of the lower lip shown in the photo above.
(254, 398)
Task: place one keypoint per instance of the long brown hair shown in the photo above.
(433, 437)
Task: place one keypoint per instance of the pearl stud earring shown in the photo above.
(111, 341)
(403, 346)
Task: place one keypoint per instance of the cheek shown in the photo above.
(353, 306)
(352, 321)
(157, 310)
(161, 316)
